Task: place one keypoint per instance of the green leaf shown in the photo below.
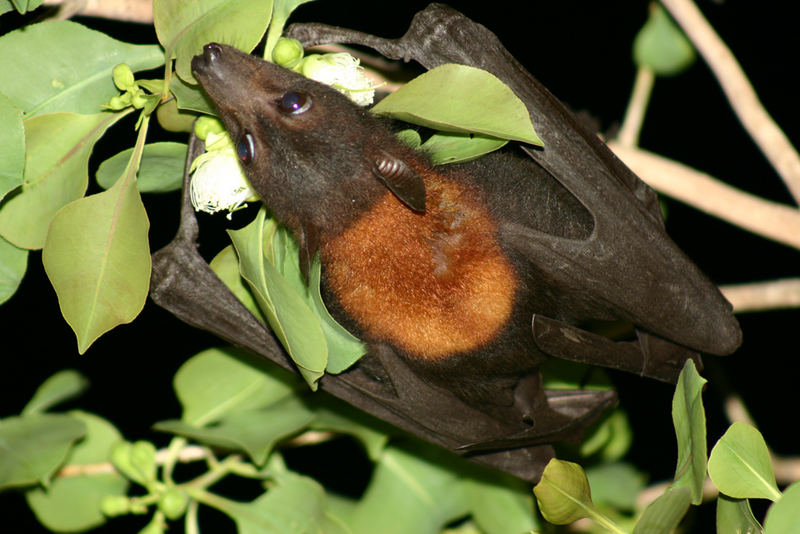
(448, 147)
(610, 438)
(502, 507)
(217, 382)
(740, 465)
(661, 46)
(184, 27)
(60, 387)
(457, 98)
(344, 349)
(734, 516)
(34, 446)
(288, 315)
(173, 119)
(13, 263)
(783, 517)
(336, 416)
(22, 6)
(425, 493)
(98, 259)
(563, 493)
(294, 505)
(12, 146)
(73, 67)
(616, 484)
(255, 432)
(226, 266)
(191, 97)
(72, 503)
(689, 419)
(160, 171)
(56, 173)
(664, 514)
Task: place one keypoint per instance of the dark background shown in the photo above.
(581, 51)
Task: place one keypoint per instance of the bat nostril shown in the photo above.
(212, 51)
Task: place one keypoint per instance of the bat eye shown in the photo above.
(246, 148)
(294, 103)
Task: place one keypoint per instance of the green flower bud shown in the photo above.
(123, 77)
(121, 458)
(138, 507)
(287, 52)
(118, 102)
(138, 98)
(114, 505)
(173, 503)
(311, 64)
(143, 459)
(206, 125)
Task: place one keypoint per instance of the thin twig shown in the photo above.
(766, 218)
(188, 454)
(740, 93)
(125, 10)
(637, 108)
(762, 296)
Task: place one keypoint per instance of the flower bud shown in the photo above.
(143, 459)
(119, 102)
(173, 503)
(123, 77)
(115, 505)
(287, 52)
(138, 99)
(205, 125)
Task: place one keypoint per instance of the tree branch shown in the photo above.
(770, 139)
(773, 220)
(762, 296)
(125, 10)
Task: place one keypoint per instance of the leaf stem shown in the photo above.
(605, 522)
(171, 457)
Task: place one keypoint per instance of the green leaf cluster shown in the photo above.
(78, 471)
(472, 111)
(95, 248)
(57, 458)
(262, 269)
(739, 465)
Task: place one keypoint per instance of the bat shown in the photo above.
(463, 279)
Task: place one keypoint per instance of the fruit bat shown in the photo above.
(463, 279)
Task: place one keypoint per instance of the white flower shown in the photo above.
(342, 72)
(218, 182)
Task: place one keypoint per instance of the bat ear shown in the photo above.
(401, 179)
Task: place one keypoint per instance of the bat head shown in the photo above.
(315, 158)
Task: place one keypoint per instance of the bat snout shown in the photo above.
(203, 64)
